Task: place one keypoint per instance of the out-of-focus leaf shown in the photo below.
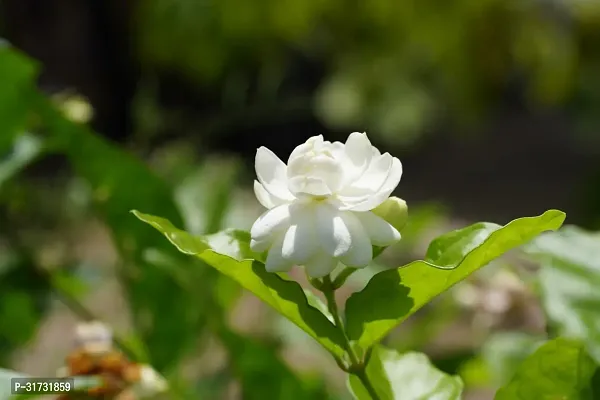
(26, 148)
(560, 369)
(121, 182)
(570, 282)
(25, 294)
(285, 296)
(262, 373)
(5, 376)
(68, 283)
(205, 196)
(17, 74)
(409, 376)
(504, 352)
(392, 296)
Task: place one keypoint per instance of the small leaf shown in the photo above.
(286, 297)
(392, 296)
(559, 369)
(569, 281)
(317, 303)
(409, 376)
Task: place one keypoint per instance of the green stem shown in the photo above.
(339, 280)
(357, 367)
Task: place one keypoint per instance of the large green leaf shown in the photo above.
(285, 296)
(392, 296)
(559, 369)
(121, 182)
(409, 376)
(570, 283)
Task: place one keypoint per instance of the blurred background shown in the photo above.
(160, 105)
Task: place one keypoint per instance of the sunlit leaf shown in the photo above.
(392, 296)
(285, 296)
(409, 376)
(570, 281)
(559, 369)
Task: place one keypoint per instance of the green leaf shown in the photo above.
(409, 376)
(569, 281)
(392, 296)
(17, 74)
(285, 296)
(559, 369)
(503, 353)
(25, 299)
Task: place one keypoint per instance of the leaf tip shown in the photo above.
(138, 214)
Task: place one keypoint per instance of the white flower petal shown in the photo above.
(309, 185)
(320, 265)
(332, 232)
(384, 192)
(299, 242)
(265, 198)
(312, 142)
(275, 261)
(259, 245)
(272, 222)
(358, 150)
(379, 231)
(313, 169)
(272, 173)
(369, 183)
(360, 253)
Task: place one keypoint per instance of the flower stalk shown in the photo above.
(356, 367)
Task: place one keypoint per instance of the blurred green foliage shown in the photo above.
(388, 65)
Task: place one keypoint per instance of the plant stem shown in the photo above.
(357, 367)
(342, 277)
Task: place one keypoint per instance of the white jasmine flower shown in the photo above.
(320, 204)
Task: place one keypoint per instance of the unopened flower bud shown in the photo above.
(394, 211)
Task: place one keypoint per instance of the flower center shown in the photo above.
(314, 171)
